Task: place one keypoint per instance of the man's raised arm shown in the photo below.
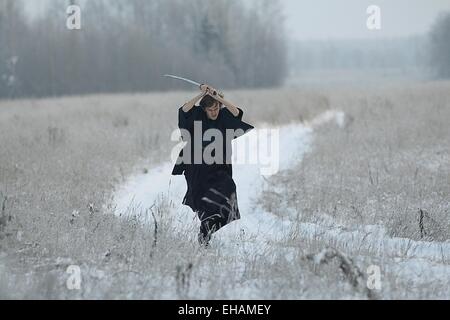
(233, 109)
(190, 104)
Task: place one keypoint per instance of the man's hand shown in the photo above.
(211, 91)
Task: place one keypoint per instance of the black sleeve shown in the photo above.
(186, 119)
(228, 114)
(241, 114)
(236, 123)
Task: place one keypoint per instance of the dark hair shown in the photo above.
(207, 101)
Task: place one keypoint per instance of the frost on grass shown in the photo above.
(360, 188)
(377, 188)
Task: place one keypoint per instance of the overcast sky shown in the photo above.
(331, 19)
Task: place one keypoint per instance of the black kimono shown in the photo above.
(211, 191)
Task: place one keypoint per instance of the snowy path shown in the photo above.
(142, 191)
(258, 228)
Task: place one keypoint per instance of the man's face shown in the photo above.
(213, 111)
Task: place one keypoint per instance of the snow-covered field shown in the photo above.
(416, 262)
(85, 182)
(144, 190)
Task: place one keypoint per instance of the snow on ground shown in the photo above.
(142, 191)
(415, 260)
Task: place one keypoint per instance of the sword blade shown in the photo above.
(183, 79)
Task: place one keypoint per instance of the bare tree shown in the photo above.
(440, 46)
(12, 28)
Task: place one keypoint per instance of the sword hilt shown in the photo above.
(214, 92)
(218, 93)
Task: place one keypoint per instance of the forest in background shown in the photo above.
(126, 46)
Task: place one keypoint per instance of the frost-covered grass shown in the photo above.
(378, 188)
(62, 159)
(389, 165)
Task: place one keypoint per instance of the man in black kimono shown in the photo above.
(211, 191)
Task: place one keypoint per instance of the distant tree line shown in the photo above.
(126, 46)
(429, 53)
(402, 53)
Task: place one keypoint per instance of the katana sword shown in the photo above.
(220, 94)
(183, 79)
